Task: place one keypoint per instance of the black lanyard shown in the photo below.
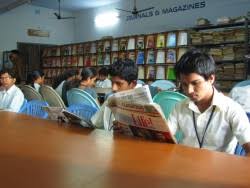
(195, 128)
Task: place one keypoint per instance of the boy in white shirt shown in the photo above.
(11, 97)
(103, 81)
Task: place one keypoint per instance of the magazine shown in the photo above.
(58, 113)
(137, 115)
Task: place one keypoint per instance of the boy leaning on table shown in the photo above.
(207, 119)
(11, 97)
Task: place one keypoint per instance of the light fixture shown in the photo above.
(106, 19)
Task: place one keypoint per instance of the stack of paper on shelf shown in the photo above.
(171, 39)
(217, 53)
(240, 35)
(196, 37)
(218, 37)
(182, 38)
(228, 53)
(160, 42)
(160, 72)
(171, 56)
(207, 37)
(160, 57)
(229, 36)
(239, 51)
(131, 44)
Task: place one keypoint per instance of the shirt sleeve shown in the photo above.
(173, 121)
(16, 102)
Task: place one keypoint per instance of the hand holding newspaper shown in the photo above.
(136, 114)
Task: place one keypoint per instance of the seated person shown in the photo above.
(35, 79)
(124, 77)
(103, 81)
(207, 119)
(242, 96)
(11, 97)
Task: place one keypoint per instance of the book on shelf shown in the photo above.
(181, 51)
(74, 61)
(131, 43)
(160, 41)
(160, 72)
(160, 57)
(131, 55)
(93, 48)
(58, 62)
(140, 72)
(140, 57)
(136, 115)
(122, 55)
(87, 48)
(87, 60)
(80, 61)
(182, 38)
(140, 43)
(150, 73)
(74, 49)
(107, 46)
(114, 57)
(150, 41)
(115, 45)
(170, 73)
(107, 59)
(171, 39)
(150, 57)
(100, 47)
(171, 56)
(122, 44)
(80, 49)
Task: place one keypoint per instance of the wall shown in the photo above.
(86, 30)
(14, 25)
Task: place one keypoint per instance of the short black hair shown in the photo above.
(11, 72)
(195, 61)
(125, 69)
(15, 52)
(88, 72)
(103, 71)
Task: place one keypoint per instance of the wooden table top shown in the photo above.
(38, 153)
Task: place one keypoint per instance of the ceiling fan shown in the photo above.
(135, 11)
(58, 15)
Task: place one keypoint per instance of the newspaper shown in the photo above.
(59, 113)
(136, 115)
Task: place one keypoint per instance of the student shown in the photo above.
(103, 81)
(124, 77)
(17, 65)
(207, 119)
(35, 79)
(11, 97)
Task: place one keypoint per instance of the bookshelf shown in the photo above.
(228, 44)
(155, 54)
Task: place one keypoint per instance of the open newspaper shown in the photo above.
(135, 114)
(59, 113)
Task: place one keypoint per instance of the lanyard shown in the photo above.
(195, 128)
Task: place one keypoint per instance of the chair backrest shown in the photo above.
(78, 96)
(51, 96)
(34, 108)
(242, 83)
(30, 93)
(167, 100)
(82, 110)
(140, 82)
(23, 106)
(239, 149)
(163, 84)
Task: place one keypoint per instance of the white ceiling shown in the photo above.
(68, 5)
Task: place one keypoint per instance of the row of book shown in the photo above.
(140, 57)
(156, 72)
(161, 40)
(227, 53)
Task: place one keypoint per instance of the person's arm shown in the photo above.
(246, 147)
(16, 102)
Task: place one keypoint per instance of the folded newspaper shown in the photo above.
(136, 115)
(59, 113)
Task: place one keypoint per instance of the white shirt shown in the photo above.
(104, 83)
(12, 99)
(242, 96)
(37, 86)
(59, 88)
(228, 122)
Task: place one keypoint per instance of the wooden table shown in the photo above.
(102, 92)
(38, 153)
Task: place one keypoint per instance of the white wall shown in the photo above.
(86, 30)
(14, 25)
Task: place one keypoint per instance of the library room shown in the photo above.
(125, 93)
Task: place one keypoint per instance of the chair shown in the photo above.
(34, 108)
(239, 149)
(78, 96)
(167, 100)
(30, 93)
(82, 110)
(140, 82)
(51, 96)
(243, 83)
(23, 106)
(163, 84)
